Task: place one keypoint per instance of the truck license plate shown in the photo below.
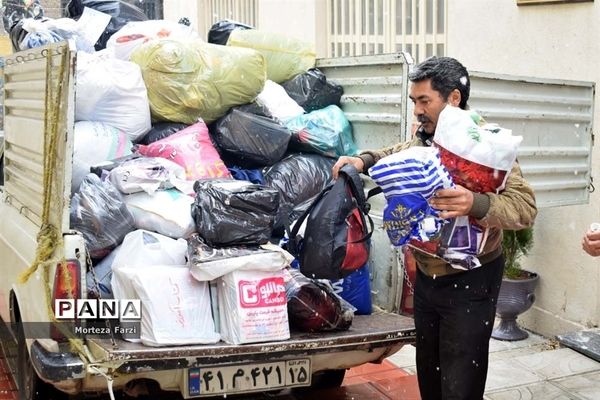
(208, 381)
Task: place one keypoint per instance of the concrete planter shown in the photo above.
(516, 296)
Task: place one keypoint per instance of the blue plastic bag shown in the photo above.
(326, 131)
(356, 290)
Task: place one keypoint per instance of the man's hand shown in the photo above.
(357, 162)
(591, 243)
(452, 202)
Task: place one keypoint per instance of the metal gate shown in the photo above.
(359, 27)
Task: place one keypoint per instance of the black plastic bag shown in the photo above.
(100, 214)
(160, 131)
(312, 91)
(299, 179)
(249, 139)
(120, 11)
(313, 306)
(17, 35)
(230, 212)
(220, 31)
(254, 108)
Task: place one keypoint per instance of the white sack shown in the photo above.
(253, 307)
(135, 33)
(112, 91)
(489, 145)
(176, 308)
(139, 250)
(95, 142)
(168, 212)
(279, 104)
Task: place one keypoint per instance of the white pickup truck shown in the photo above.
(39, 117)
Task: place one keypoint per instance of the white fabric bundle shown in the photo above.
(112, 91)
(279, 104)
(168, 212)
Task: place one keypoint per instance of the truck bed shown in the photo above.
(381, 329)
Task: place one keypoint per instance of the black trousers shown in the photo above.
(454, 317)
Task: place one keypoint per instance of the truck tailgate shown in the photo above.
(381, 329)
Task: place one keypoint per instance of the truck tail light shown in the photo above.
(67, 285)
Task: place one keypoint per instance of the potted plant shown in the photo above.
(518, 285)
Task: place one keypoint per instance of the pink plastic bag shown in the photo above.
(192, 149)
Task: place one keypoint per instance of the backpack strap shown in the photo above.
(374, 192)
(293, 233)
(356, 186)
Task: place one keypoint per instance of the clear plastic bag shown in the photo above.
(285, 56)
(326, 131)
(100, 214)
(189, 79)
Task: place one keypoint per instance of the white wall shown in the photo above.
(550, 41)
(302, 19)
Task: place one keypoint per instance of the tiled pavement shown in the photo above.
(535, 369)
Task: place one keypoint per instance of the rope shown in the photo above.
(49, 237)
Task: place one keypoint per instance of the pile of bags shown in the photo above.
(189, 159)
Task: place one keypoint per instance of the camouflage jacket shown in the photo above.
(513, 208)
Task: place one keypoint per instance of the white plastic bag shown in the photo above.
(139, 250)
(494, 148)
(146, 174)
(176, 308)
(112, 91)
(136, 33)
(95, 142)
(253, 307)
(208, 263)
(168, 212)
(279, 104)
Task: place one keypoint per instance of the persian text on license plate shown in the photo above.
(248, 377)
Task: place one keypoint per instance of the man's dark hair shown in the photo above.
(446, 74)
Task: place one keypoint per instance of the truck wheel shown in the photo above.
(31, 387)
(330, 378)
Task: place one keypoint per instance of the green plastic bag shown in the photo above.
(189, 79)
(286, 57)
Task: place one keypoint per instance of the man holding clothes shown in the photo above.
(455, 309)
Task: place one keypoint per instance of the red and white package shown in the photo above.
(193, 150)
(477, 157)
(253, 307)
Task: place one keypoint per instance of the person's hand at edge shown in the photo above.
(591, 243)
(357, 162)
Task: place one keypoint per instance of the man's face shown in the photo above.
(428, 104)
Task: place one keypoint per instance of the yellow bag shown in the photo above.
(286, 57)
(189, 79)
